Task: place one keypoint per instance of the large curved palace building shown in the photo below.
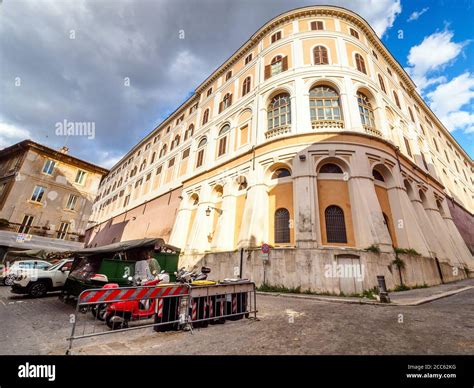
(312, 138)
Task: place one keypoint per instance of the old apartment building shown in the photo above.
(311, 137)
(46, 197)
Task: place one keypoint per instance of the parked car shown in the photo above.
(10, 272)
(42, 281)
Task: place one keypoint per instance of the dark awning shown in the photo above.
(124, 246)
(41, 254)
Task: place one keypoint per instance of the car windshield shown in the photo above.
(56, 266)
(86, 268)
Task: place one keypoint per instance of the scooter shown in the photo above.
(188, 277)
(118, 314)
(99, 311)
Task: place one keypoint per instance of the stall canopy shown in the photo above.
(124, 246)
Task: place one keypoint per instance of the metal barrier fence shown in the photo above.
(109, 310)
(164, 307)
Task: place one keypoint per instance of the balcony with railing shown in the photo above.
(327, 124)
(277, 131)
(372, 131)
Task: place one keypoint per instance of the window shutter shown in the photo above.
(230, 100)
(284, 63)
(221, 105)
(314, 26)
(268, 71)
(320, 25)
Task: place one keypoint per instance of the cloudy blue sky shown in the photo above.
(70, 60)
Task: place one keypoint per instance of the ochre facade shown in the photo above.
(310, 137)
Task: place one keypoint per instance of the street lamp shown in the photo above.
(208, 210)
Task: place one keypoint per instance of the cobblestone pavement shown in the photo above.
(285, 326)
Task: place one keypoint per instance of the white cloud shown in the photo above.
(448, 99)
(416, 14)
(380, 14)
(10, 134)
(434, 53)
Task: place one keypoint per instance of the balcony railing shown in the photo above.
(372, 131)
(326, 124)
(277, 131)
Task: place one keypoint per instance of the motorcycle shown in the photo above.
(188, 277)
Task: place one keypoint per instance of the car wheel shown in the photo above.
(9, 280)
(38, 289)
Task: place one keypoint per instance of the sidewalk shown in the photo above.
(402, 298)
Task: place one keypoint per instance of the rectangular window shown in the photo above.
(48, 167)
(200, 158)
(389, 71)
(138, 183)
(222, 146)
(26, 224)
(317, 25)
(148, 177)
(407, 145)
(171, 163)
(446, 154)
(276, 36)
(185, 153)
(375, 54)
(62, 231)
(38, 193)
(147, 146)
(209, 92)
(80, 177)
(126, 200)
(248, 59)
(228, 76)
(244, 134)
(158, 170)
(354, 33)
(71, 202)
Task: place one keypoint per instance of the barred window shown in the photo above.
(335, 225)
(324, 104)
(330, 168)
(282, 226)
(279, 111)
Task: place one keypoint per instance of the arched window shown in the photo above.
(175, 142)
(282, 226)
(189, 132)
(205, 116)
(335, 225)
(330, 168)
(324, 104)
(320, 55)
(200, 153)
(246, 86)
(143, 165)
(397, 101)
(378, 176)
(366, 111)
(360, 63)
(163, 151)
(281, 173)
(382, 84)
(279, 111)
(223, 140)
